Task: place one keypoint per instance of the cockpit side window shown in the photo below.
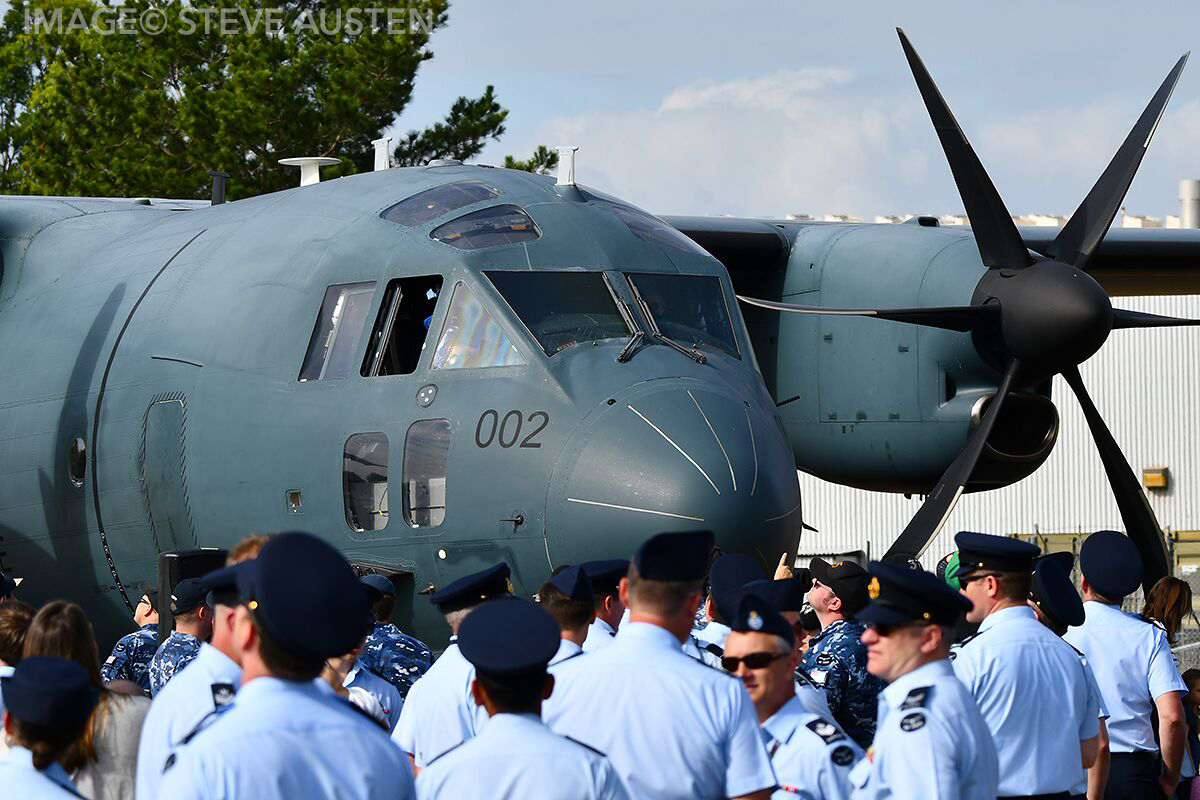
(401, 328)
(432, 203)
(488, 227)
(333, 348)
(365, 481)
(561, 309)
(471, 338)
(646, 227)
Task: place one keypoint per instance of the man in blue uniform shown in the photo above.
(284, 736)
(389, 652)
(1133, 666)
(605, 575)
(510, 641)
(811, 756)
(193, 625)
(836, 659)
(131, 655)
(931, 740)
(195, 694)
(672, 727)
(567, 597)
(1030, 686)
(726, 578)
(440, 712)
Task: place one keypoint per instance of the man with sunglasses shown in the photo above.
(812, 757)
(931, 741)
(1030, 686)
(131, 655)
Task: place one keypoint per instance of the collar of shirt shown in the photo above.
(266, 686)
(1094, 608)
(830, 629)
(180, 636)
(566, 649)
(649, 633)
(1006, 615)
(351, 675)
(924, 675)
(22, 757)
(714, 632)
(150, 627)
(511, 727)
(222, 665)
(603, 626)
(783, 723)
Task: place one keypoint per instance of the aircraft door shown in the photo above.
(164, 473)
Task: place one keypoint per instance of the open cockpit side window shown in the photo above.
(398, 338)
(471, 338)
(333, 347)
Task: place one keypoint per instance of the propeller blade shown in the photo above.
(1137, 319)
(932, 514)
(951, 318)
(995, 234)
(1082, 234)
(1136, 514)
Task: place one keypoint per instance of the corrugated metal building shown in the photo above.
(1146, 383)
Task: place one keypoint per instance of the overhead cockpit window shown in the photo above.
(426, 451)
(488, 227)
(432, 203)
(690, 309)
(471, 338)
(365, 481)
(398, 338)
(646, 227)
(562, 309)
(333, 348)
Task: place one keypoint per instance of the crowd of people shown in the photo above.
(678, 673)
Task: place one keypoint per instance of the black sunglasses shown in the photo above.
(752, 661)
(978, 577)
(884, 629)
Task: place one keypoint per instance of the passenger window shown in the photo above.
(471, 338)
(365, 482)
(433, 203)
(333, 348)
(426, 448)
(398, 338)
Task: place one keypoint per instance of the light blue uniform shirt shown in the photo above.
(209, 682)
(566, 649)
(289, 741)
(387, 694)
(517, 757)
(1132, 662)
(811, 755)
(439, 712)
(672, 727)
(1033, 693)
(1094, 688)
(19, 779)
(5, 672)
(713, 633)
(930, 741)
(600, 634)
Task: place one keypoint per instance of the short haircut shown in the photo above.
(15, 617)
(455, 618)
(571, 615)
(514, 694)
(1015, 586)
(662, 598)
(383, 607)
(247, 548)
(281, 662)
(188, 617)
(1191, 678)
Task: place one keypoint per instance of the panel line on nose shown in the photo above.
(732, 477)
(793, 510)
(682, 452)
(634, 508)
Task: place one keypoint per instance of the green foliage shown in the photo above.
(542, 161)
(135, 114)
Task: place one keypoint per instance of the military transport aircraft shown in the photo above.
(544, 373)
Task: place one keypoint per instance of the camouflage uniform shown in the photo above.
(837, 661)
(175, 653)
(396, 657)
(130, 659)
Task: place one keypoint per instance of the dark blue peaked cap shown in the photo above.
(674, 556)
(187, 595)
(1065, 560)
(899, 594)
(784, 594)
(471, 590)
(756, 614)
(306, 595)
(509, 636)
(221, 584)
(605, 574)
(379, 584)
(49, 691)
(983, 551)
(1054, 594)
(574, 583)
(731, 572)
(1111, 563)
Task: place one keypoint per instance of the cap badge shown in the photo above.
(836, 564)
(873, 589)
(754, 621)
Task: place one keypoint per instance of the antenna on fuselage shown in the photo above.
(566, 166)
(218, 190)
(383, 153)
(310, 167)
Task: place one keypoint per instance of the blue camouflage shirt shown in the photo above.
(395, 656)
(130, 658)
(173, 655)
(837, 661)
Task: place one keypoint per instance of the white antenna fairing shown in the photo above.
(383, 153)
(566, 166)
(310, 167)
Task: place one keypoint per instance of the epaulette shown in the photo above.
(204, 722)
(916, 698)
(586, 746)
(802, 676)
(826, 730)
(1076, 649)
(715, 649)
(439, 755)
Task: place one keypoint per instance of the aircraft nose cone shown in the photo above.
(681, 456)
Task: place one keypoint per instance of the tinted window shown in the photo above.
(398, 338)
(487, 227)
(433, 203)
(690, 309)
(364, 481)
(562, 308)
(646, 226)
(426, 450)
(471, 338)
(333, 348)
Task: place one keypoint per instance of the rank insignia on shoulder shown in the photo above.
(913, 722)
(824, 660)
(916, 698)
(120, 647)
(842, 756)
(222, 694)
(826, 730)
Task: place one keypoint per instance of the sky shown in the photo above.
(765, 107)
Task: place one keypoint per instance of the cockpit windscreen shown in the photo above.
(562, 309)
(690, 309)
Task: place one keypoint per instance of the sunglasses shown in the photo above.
(963, 581)
(884, 629)
(752, 661)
